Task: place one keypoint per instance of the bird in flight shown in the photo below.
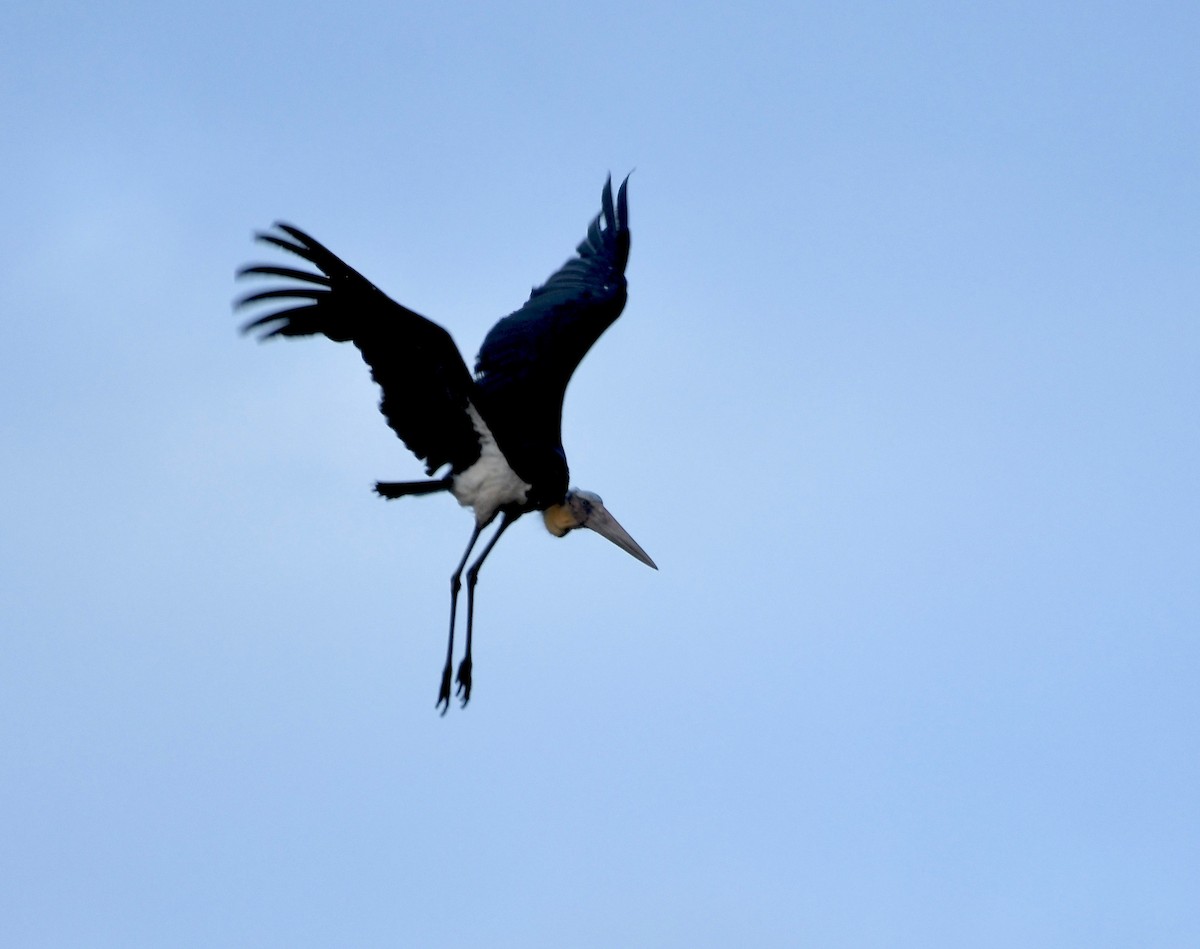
(494, 438)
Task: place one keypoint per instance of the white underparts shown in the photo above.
(490, 483)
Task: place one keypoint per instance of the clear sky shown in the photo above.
(904, 405)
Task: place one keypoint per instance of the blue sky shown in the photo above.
(904, 405)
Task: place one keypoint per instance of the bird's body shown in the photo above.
(497, 433)
(490, 483)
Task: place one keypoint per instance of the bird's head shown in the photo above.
(585, 509)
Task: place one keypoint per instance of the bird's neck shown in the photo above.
(560, 519)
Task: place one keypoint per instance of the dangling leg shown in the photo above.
(464, 668)
(455, 584)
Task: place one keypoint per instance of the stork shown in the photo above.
(496, 436)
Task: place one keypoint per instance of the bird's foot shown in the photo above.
(464, 681)
(443, 701)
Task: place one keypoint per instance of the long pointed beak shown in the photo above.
(606, 526)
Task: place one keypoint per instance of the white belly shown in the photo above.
(490, 483)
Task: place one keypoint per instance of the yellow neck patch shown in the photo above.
(559, 519)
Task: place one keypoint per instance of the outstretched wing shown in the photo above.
(425, 383)
(528, 358)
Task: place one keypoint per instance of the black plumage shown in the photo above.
(511, 407)
(424, 382)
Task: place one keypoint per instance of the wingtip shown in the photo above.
(292, 231)
(291, 238)
(615, 215)
(623, 202)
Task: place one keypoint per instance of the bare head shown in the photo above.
(585, 509)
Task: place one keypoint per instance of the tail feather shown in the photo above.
(398, 489)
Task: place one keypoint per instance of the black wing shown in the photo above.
(528, 358)
(426, 385)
